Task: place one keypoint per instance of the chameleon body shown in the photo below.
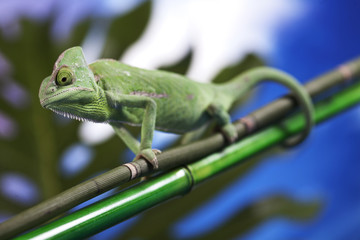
(115, 93)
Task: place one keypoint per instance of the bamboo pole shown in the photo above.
(128, 203)
(172, 158)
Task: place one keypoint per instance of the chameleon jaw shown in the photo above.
(71, 116)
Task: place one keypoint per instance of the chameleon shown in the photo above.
(108, 91)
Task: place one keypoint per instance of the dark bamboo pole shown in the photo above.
(68, 199)
(123, 205)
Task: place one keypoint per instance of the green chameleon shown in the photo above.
(109, 91)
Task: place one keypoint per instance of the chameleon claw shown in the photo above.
(150, 156)
(230, 133)
(156, 151)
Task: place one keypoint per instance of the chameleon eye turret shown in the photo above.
(64, 77)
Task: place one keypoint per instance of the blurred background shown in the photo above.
(308, 192)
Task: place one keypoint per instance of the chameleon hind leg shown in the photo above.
(223, 119)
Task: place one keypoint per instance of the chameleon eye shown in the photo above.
(64, 77)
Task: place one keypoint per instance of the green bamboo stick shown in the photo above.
(128, 203)
(117, 208)
(172, 158)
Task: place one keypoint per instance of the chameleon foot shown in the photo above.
(149, 155)
(230, 133)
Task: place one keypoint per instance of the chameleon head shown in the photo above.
(71, 90)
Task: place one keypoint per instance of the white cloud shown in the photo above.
(94, 133)
(219, 32)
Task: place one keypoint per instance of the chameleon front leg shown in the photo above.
(130, 141)
(142, 149)
(147, 132)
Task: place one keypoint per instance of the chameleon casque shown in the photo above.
(109, 91)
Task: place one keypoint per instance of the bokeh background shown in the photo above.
(308, 192)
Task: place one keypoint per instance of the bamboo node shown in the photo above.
(346, 72)
(249, 122)
(133, 170)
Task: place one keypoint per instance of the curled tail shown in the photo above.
(247, 80)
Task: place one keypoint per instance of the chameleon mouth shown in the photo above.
(70, 115)
(44, 101)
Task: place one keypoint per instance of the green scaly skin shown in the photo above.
(111, 92)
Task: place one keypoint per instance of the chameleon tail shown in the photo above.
(249, 79)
